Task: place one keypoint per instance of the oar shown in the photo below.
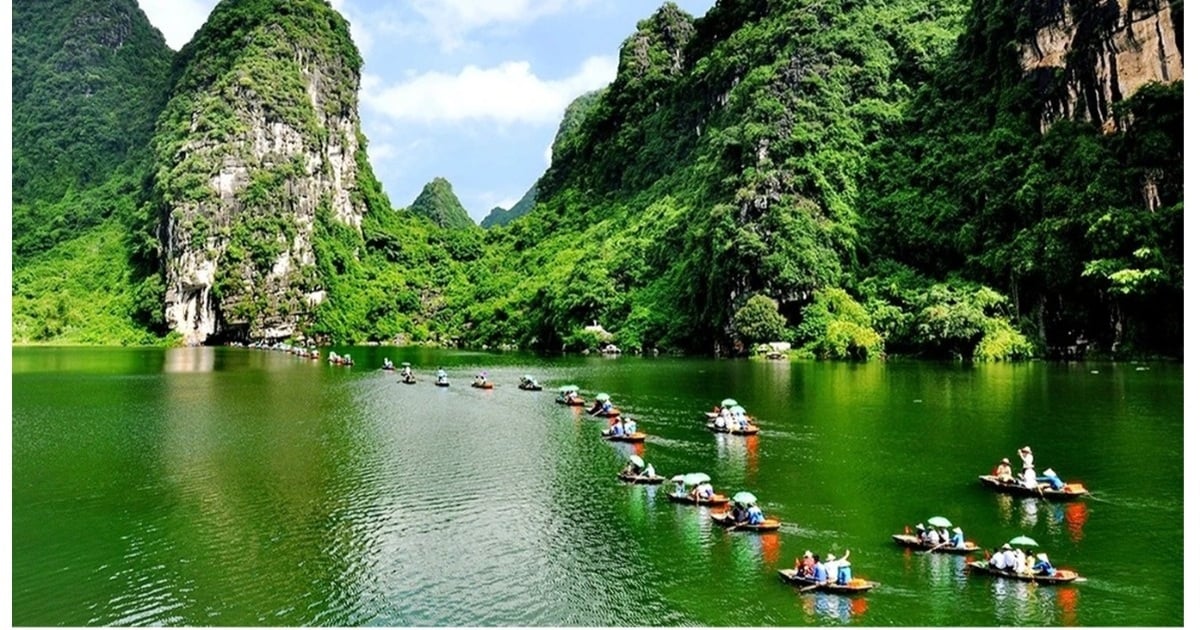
(809, 588)
(937, 546)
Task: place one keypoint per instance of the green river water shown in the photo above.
(225, 486)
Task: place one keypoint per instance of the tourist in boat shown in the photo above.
(996, 561)
(1051, 477)
(441, 375)
(820, 573)
(702, 491)
(406, 372)
(1042, 565)
(387, 364)
(680, 489)
(630, 426)
(944, 536)
(957, 540)
(1003, 471)
(838, 568)
(804, 566)
(1026, 457)
(1029, 478)
(754, 515)
(615, 428)
(1018, 564)
(738, 513)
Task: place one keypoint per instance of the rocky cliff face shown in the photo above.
(1089, 54)
(261, 132)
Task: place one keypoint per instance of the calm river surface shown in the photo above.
(223, 486)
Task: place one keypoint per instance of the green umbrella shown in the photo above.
(677, 478)
(728, 402)
(406, 364)
(745, 498)
(737, 409)
(528, 377)
(637, 461)
(939, 521)
(602, 397)
(693, 479)
(1023, 541)
(568, 388)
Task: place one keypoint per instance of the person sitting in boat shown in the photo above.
(754, 515)
(702, 491)
(738, 513)
(441, 375)
(615, 429)
(630, 426)
(632, 469)
(648, 471)
(333, 357)
(1051, 477)
(1029, 478)
(680, 489)
(406, 372)
(931, 537)
(1003, 471)
(719, 422)
(1018, 564)
(820, 573)
(956, 540)
(997, 560)
(944, 536)
(387, 364)
(804, 566)
(838, 568)
(1042, 566)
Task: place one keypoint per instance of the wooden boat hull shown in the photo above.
(655, 480)
(530, 388)
(447, 384)
(613, 413)
(569, 403)
(409, 381)
(388, 369)
(1071, 492)
(855, 586)
(637, 436)
(912, 542)
(750, 430)
(716, 500)
(725, 520)
(1062, 576)
(483, 386)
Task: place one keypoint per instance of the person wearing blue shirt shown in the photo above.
(1051, 477)
(957, 540)
(754, 515)
(1043, 566)
(820, 574)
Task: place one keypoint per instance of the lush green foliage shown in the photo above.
(1082, 229)
(758, 320)
(835, 326)
(438, 203)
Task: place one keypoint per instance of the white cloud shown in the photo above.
(177, 19)
(381, 151)
(449, 21)
(507, 93)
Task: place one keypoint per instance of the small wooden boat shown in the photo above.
(1070, 492)
(854, 586)
(655, 480)
(913, 542)
(577, 402)
(725, 519)
(749, 430)
(1061, 576)
(637, 436)
(412, 380)
(612, 413)
(486, 385)
(712, 415)
(534, 388)
(715, 500)
(442, 383)
(388, 369)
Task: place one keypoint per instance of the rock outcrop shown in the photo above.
(1089, 54)
(257, 138)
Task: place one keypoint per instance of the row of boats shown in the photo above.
(741, 512)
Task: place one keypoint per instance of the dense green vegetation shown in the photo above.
(438, 203)
(860, 179)
(88, 80)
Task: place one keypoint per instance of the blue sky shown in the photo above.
(469, 90)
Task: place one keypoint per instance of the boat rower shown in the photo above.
(703, 491)
(1003, 471)
(754, 515)
(1042, 566)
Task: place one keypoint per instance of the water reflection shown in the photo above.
(1021, 603)
(741, 451)
(177, 360)
(1030, 511)
(840, 608)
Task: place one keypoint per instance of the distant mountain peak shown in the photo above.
(438, 203)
